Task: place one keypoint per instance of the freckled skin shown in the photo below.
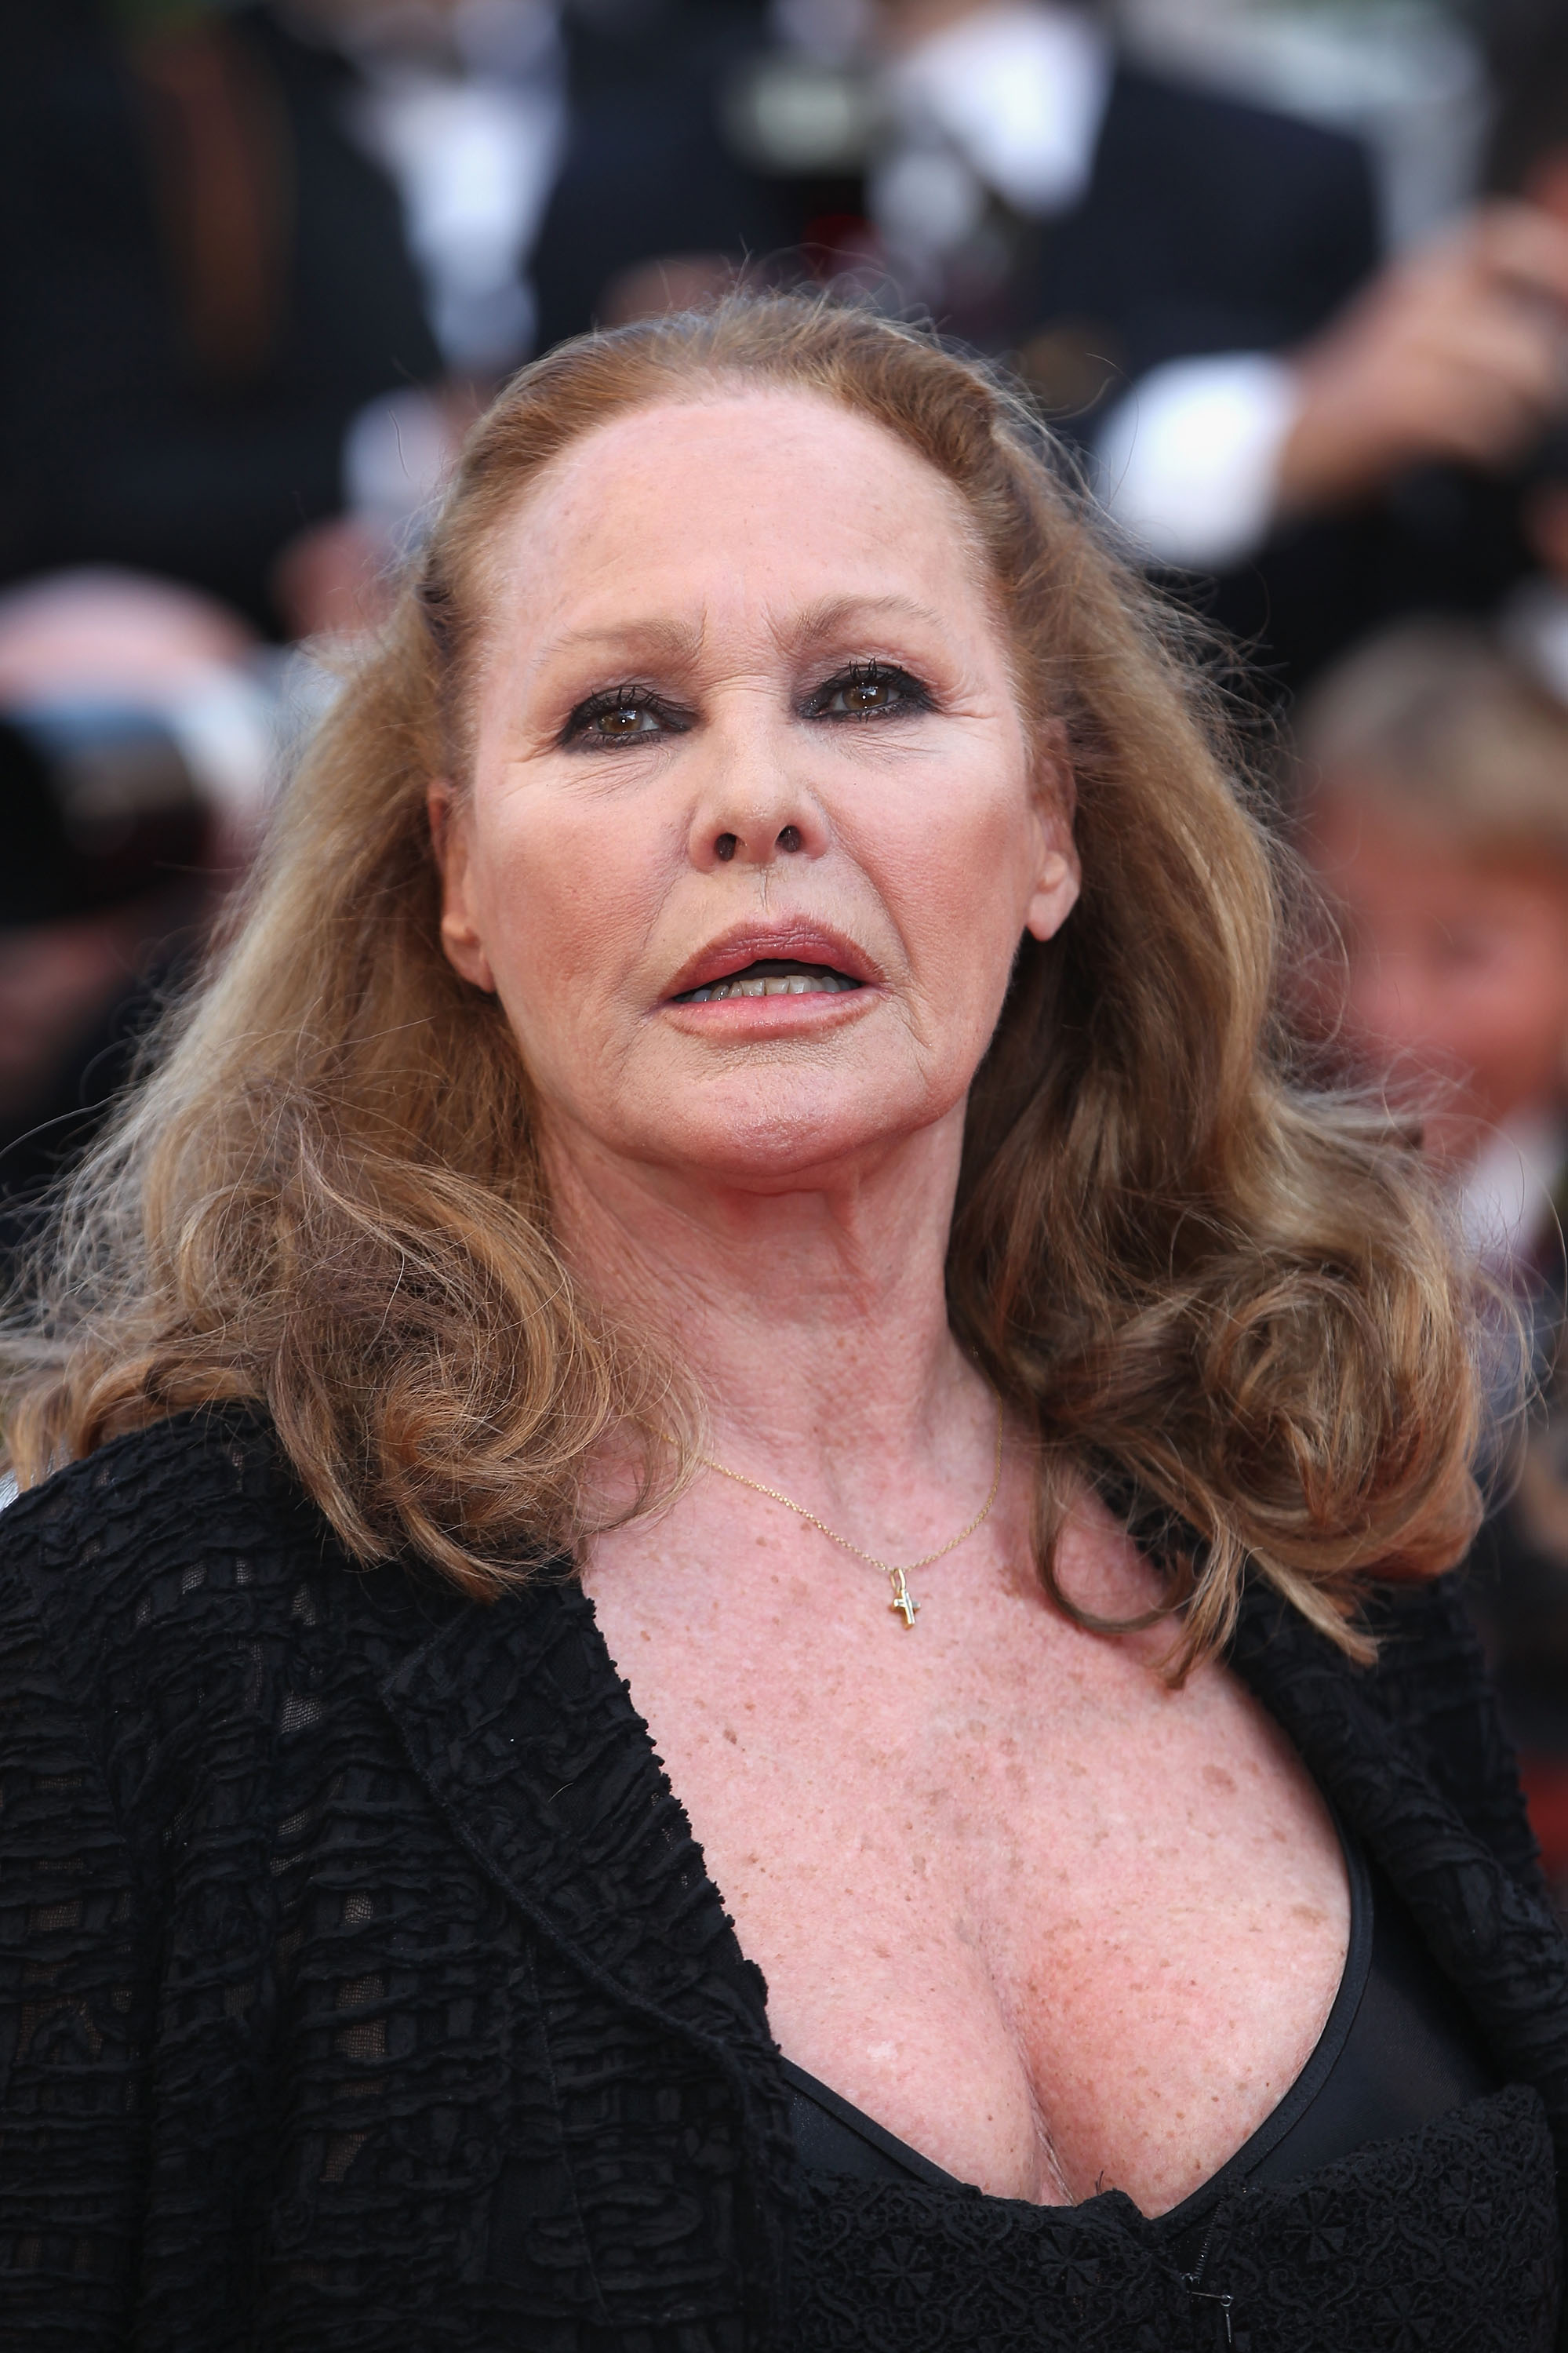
(1053, 1924)
(1100, 1974)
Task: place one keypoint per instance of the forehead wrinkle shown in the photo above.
(828, 616)
(681, 644)
(665, 640)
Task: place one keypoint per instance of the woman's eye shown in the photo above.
(625, 719)
(619, 716)
(869, 690)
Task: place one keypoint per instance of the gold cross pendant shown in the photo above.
(902, 1600)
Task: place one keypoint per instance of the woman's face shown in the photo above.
(755, 825)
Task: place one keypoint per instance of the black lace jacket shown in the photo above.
(361, 1985)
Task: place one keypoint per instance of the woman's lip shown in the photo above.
(770, 1017)
(803, 943)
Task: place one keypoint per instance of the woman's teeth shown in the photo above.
(793, 984)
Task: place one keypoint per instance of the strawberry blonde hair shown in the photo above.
(1189, 1274)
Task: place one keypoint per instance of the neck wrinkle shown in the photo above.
(813, 1321)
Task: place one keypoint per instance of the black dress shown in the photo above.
(362, 1988)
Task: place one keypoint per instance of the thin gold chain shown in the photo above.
(902, 1600)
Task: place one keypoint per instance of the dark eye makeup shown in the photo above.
(622, 714)
(632, 713)
(869, 690)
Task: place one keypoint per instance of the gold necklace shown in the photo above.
(902, 1601)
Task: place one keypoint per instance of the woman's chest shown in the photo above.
(1052, 1923)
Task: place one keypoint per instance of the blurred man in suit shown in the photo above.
(1260, 400)
(1191, 284)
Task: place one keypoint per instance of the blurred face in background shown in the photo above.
(1458, 961)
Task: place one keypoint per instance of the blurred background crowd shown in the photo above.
(1289, 280)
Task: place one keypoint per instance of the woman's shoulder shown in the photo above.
(161, 1498)
(1425, 1702)
(179, 1576)
(1433, 1679)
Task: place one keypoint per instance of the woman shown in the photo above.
(736, 1152)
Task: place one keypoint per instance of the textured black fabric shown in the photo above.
(1444, 2241)
(361, 1987)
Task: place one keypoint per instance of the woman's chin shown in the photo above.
(785, 1138)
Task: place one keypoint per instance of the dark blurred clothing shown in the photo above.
(1213, 227)
(649, 174)
(1208, 225)
(202, 279)
(1440, 539)
(109, 888)
(40, 1146)
(1518, 1570)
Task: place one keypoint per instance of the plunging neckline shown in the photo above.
(1397, 2051)
(806, 2090)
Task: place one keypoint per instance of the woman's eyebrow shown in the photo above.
(650, 640)
(832, 616)
(678, 643)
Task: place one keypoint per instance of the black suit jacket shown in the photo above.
(361, 1984)
(1207, 225)
(1213, 227)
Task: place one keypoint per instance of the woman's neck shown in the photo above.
(812, 1316)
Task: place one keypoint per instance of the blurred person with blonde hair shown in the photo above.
(1434, 769)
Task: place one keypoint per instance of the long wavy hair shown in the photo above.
(1184, 1269)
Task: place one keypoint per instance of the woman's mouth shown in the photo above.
(771, 977)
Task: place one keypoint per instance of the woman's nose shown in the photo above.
(755, 811)
(788, 840)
